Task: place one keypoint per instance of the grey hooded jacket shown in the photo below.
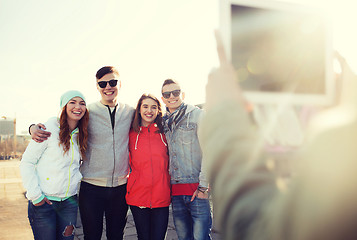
(107, 156)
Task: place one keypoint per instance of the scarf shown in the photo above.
(172, 119)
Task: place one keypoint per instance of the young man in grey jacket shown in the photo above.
(106, 165)
(190, 205)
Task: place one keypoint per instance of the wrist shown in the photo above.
(202, 189)
(38, 200)
(30, 128)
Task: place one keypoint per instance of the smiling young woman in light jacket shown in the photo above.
(50, 171)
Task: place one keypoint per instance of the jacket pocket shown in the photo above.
(187, 132)
(130, 185)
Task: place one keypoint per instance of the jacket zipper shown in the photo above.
(152, 169)
(114, 158)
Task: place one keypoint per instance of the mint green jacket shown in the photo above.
(47, 171)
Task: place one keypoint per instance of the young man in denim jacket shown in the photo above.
(190, 205)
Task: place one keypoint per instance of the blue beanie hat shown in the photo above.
(69, 95)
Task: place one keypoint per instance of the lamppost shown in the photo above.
(15, 138)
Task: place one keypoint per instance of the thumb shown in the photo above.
(194, 195)
(42, 126)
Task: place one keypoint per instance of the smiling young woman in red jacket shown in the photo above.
(148, 189)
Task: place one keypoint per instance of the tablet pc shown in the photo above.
(281, 51)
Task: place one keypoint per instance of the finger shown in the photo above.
(346, 71)
(42, 126)
(341, 63)
(48, 201)
(220, 49)
(339, 57)
(194, 195)
(40, 203)
(44, 133)
(38, 139)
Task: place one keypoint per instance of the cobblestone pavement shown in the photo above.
(13, 209)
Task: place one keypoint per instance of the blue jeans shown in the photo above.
(150, 223)
(54, 222)
(192, 220)
(94, 203)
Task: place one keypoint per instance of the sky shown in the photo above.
(48, 47)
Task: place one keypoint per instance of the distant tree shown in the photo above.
(7, 146)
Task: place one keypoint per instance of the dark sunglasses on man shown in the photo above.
(112, 83)
(167, 95)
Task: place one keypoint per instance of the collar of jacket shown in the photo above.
(151, 128)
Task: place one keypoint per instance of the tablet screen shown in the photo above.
(279, 51)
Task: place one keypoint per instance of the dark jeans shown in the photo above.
(94, 203)
(150, 223)
(54, 222)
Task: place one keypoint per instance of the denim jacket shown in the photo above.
(185, 150)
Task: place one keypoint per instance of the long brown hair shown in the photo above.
(136, 123)
(64, 134)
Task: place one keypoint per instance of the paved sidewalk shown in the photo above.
(13, 209)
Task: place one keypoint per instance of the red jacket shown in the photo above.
(149, 180)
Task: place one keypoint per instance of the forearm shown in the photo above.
(203, 178)
(30, 128)
(30, 181)
(28, 167)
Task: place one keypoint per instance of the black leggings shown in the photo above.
(150, 223)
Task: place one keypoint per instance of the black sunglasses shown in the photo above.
(167, 95)
(112, 83)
